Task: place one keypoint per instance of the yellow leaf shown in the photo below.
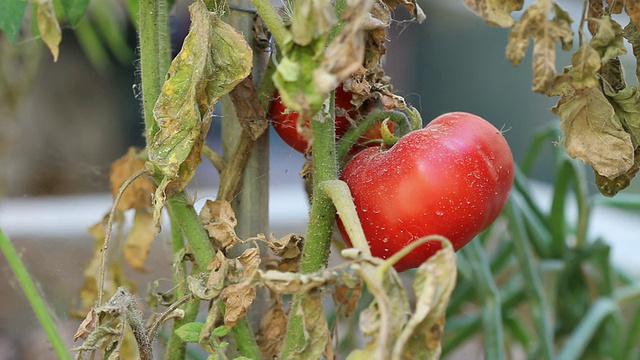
(495, 12)
(48, 26)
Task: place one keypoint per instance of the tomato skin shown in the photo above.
(451, 178)
(285, 121)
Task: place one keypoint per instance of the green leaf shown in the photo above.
(74, 9)
(11, 16)
(593, 133)
(190, 332)
(220, 331)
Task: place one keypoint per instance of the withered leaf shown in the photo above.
(495, 12)
(627, 107)
(611, 187)
(249, 111)
(138, 242)
(316, 329)
(138, 194)
(273, 327)
(585, 63)
(287, 247)
(416, 10)
(593, 133)
(238, 299)
(87, 326)
(347, 294)
(632, 34)
(214, 58)
(220, 221)
(545, 33)
(345, 53)
(48, 26)
(608, 39)
(434, 282)
(311, 19)
(293, 283)
(385, 318)
(250, 261)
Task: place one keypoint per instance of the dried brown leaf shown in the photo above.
(238, 299)
(220, 221)
(594, 134)
(595, 11)
(249, 111)
(138, 194)
(347, 296)
(250, 261)
(273, 328)
(495, 12)
(287, 247)
(414, 8)
(345, 53)
(138, 242)
(311, 19)
(87, 326)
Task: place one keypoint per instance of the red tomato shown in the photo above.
(450, 178)
(284, 121)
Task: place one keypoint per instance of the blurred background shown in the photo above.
(63, 123)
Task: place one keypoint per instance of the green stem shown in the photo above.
(34, 298)
(315, 254)
(155, 56)
(274, 22)
(375, 117)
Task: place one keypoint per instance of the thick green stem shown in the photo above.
(34, 298)
(155, 56)
(184, 215)
(315, 254)
(322, 215)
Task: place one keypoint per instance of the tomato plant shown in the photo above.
(450, 178)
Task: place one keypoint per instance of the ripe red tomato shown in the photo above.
(450, 178)
(284, 121)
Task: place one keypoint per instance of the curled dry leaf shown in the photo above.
(495, 12)
(611, 187)
(238, 299)
(250, 113)
(138, 194)
(413, 7)
(608, 40)
(87, 326)
(293, 283)
(138, 242)
(386, 316)
(594, 134)
(346, 294)
(345, 53)
(433, 284)
(287, 247)
(220, 221)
